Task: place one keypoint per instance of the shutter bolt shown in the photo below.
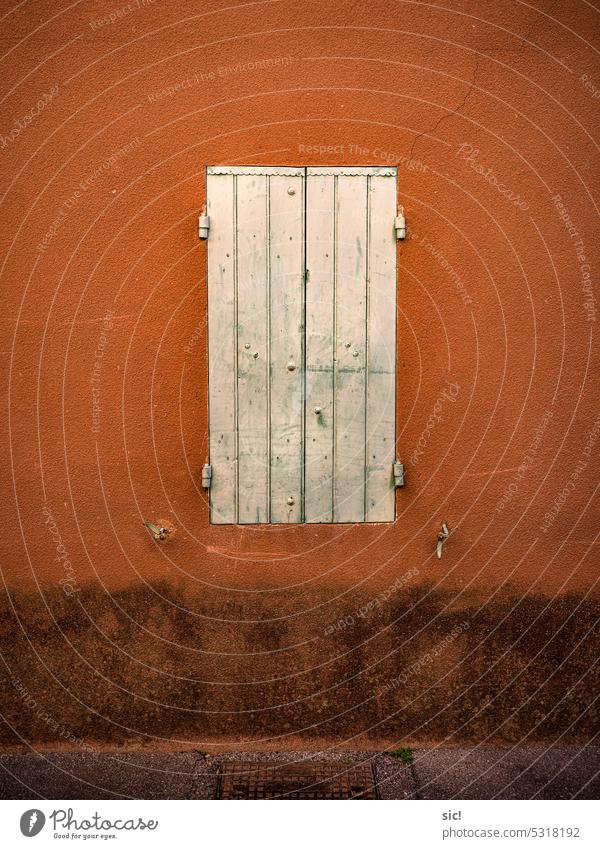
(291, 191)
(348, 344)
(255, 355)
(355, 354)
(290, 500)
(291, 366)
(317, 410)
(247, 345)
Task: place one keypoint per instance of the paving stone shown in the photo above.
(395, 780)
(96, 776)
(560, 772)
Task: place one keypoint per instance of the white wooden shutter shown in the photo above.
(256, 343)
(302, 310)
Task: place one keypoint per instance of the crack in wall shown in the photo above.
(450, 114)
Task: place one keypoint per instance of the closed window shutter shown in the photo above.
(302, 307)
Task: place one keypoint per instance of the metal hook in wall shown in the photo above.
(161, 531)
(442, 536)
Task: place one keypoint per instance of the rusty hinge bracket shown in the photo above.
(400, 224)
(398, 473)
(203, 224)
(206, 475)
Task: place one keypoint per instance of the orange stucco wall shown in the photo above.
(110, 114)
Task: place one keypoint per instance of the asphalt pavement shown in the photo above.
(556, 772)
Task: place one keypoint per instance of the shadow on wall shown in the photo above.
(153, 664)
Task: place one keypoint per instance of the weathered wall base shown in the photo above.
(413, 668)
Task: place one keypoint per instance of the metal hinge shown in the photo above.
(400, 224)
(203, 224)
(398, 473)
(206, 476)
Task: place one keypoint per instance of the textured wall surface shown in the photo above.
(110, 113)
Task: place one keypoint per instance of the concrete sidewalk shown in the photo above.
(559, 772)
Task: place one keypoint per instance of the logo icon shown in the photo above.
(32, 822)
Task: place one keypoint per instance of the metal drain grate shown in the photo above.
(311, 780)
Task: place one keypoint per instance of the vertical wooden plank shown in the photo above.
(222, 348)
(252, 349)
(381, 352)
(320, 264)
(350, 349)
(286, 334)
